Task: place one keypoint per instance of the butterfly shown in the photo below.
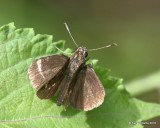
(73, 81)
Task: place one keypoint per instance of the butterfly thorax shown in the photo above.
(77, 59)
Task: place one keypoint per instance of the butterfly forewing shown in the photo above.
(44, 69)
(88, 92)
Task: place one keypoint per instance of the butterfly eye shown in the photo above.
(86, 54)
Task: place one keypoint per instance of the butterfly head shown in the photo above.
(82, 51)
(79, 56)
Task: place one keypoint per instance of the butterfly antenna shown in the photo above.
(70, 34)
(107, 46)
(61, 50)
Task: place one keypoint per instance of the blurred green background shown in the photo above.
(133, 25)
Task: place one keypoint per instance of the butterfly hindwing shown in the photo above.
(88, 92)
(51, 87)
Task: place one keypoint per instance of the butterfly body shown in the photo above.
(77, 60)
(74, 82)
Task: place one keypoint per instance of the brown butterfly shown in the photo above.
(74, 82)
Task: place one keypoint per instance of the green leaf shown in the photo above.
(20, 107)
(151, 82)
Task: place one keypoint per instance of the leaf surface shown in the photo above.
(20, 107)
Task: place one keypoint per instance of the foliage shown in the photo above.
(20, 107)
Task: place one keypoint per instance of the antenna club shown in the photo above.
(114, 44)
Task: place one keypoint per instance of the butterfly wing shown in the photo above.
(88, 92)
(44, 69)
(52, 86)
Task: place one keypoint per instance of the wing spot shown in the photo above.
(53, 85)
